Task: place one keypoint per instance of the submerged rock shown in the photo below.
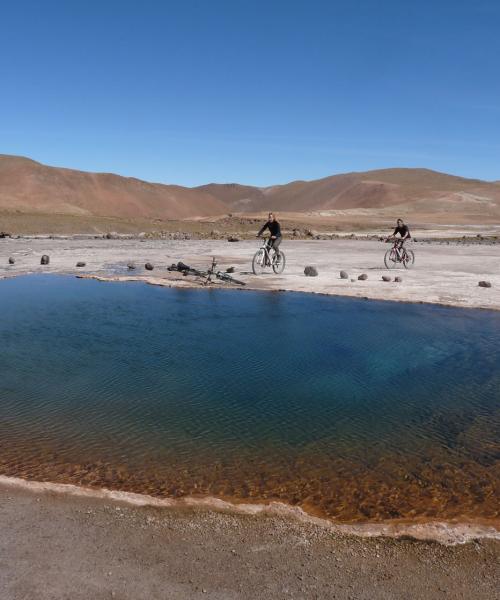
(344, 275)
(311, 271)
(45, 260)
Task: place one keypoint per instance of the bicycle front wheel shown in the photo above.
(279, 262)
(408, 259)
(259, 262)
(391, 259)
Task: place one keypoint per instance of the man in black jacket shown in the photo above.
(275, 231)
(402, 229)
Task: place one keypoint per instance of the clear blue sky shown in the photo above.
(254, 91)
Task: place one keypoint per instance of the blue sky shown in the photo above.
(257, 92)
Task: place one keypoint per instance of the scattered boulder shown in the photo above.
(230, 270)
(311, 271)
(233, 238)
(398, 279)
(386, 278)
(148, 266)
(45, 260)
(130, 266)
(11, 260)
(485, 284)
(112, 235)
(363, 277)
(344, 275)
(80, 264)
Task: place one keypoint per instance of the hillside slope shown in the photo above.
(28, 186)
(414, 188)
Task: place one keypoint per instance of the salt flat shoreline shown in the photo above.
(56, 545)
(445, 274)
(443, 532)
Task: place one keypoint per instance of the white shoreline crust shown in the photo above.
(443, 532)
(446, 275)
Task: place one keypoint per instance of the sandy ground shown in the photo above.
(55, 547)
(444, 273)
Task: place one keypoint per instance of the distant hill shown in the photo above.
(27, 186)
(372, 190)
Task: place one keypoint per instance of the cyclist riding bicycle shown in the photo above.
(403, 231)
(275, 231)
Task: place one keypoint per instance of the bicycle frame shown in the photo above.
(266, 247)
(398, 247)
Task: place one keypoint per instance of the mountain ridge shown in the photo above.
(27, 185)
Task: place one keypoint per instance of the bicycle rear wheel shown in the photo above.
(259, 262)
(408, 259)
(228, 278)
(279, 262)
(391, 259)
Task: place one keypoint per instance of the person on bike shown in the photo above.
(275, 231)
(403, 232)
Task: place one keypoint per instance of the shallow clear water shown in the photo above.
(358, 410)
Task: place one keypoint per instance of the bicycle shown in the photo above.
(207, 275)
(262, 259)
(398, 254)
(221, 275)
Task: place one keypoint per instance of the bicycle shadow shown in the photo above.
(260, 274)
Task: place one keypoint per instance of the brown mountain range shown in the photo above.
(27, 186)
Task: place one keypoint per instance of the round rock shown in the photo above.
(311, 271)
(148, 266)
(386, 278)
(363, 277)
(45, 260)
(11, 260)
(344, 275)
